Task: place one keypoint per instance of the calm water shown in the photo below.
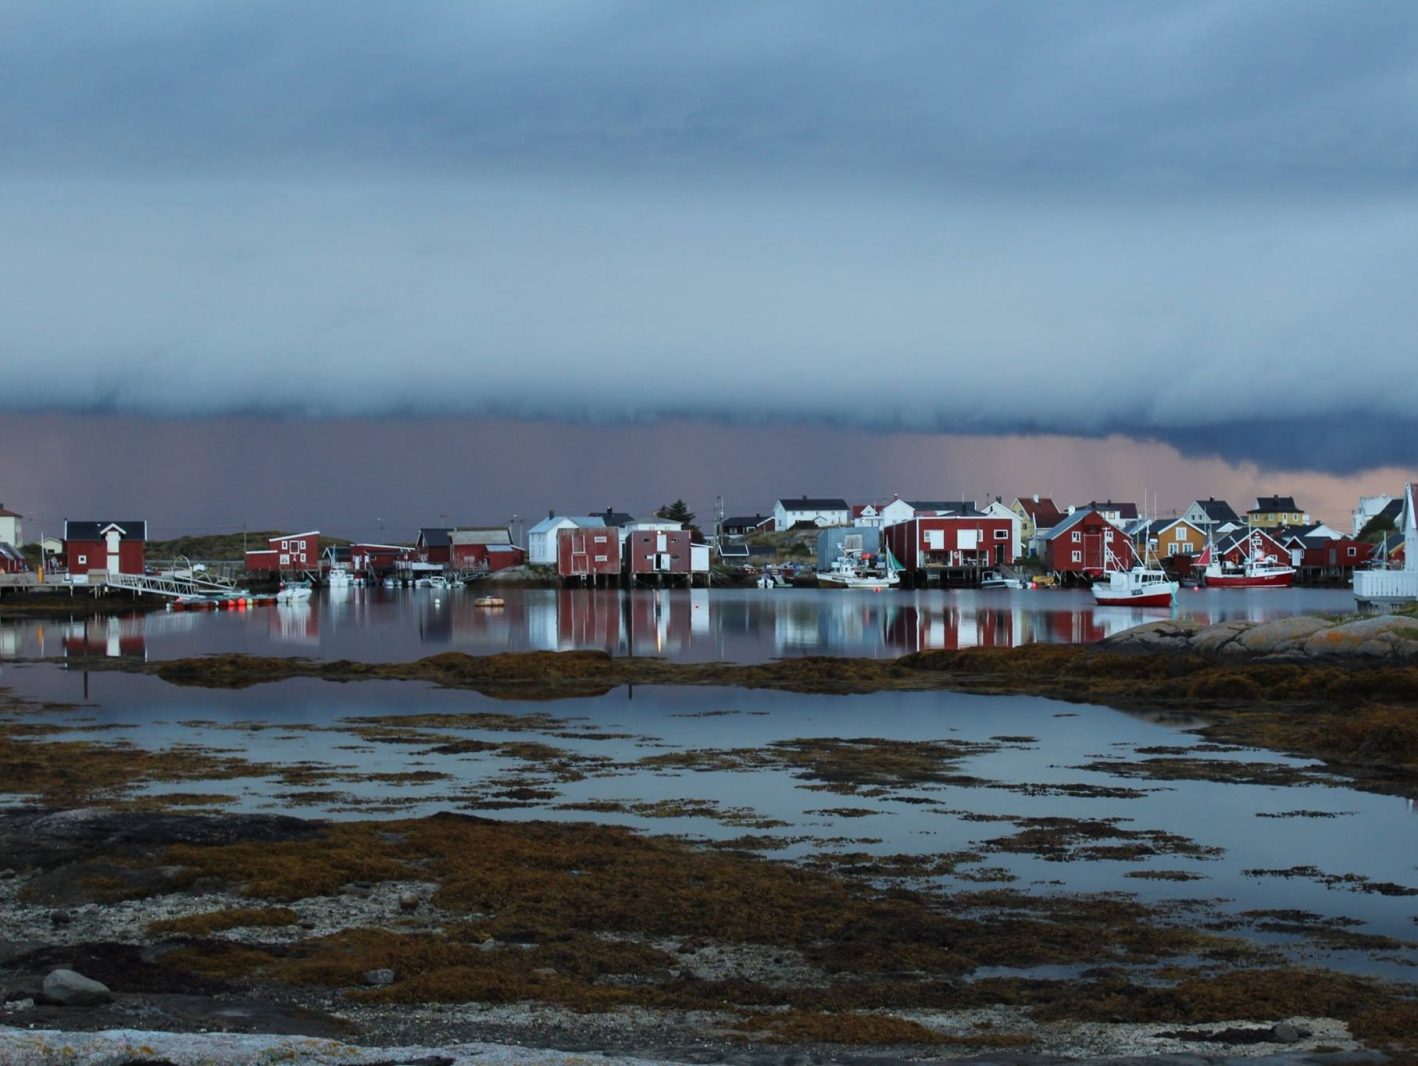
(743, 625)
(1024, 759)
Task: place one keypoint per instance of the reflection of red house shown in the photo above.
(1082, 544)
(587, 620)
(110, 637)
(114, 546)
(288, 551)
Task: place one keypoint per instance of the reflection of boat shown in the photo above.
(1254, 572)
(1139, 586)
(851, 570)
(294, 592)
(994, 579)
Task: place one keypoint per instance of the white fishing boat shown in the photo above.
(337, 577)
(855, 570)
(293, 592)
(1254, 572)
(995, 579)
(1137, 586)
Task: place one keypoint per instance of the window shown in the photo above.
(1077, 538)
(1174, 549)
(285, 560)
(302, 545)
(83, 559)
(1078, 557)
(1353, 552)
(600, 558)
(285, 545)
(1181, 533)
(1001, 534)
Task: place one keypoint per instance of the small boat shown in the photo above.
(438, 581)
(339, 578)
(489, 601)
(852, 570)
(995, 579)
(1138, 586)
(293, 592)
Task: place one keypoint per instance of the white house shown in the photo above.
(1216, 515)
(816, 511)
(541, 538)
(1370, 507)
(10, 532)
(899, 510)
(652, 523)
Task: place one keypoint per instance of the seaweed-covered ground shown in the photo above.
(581, 935)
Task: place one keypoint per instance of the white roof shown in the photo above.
(562, 521)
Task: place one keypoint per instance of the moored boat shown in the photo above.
(1254, 572)
(995, 579)
(1137, 586)
(854, 570)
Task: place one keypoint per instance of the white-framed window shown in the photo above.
(302, 545)
(1078, 557)
(1353, 552)
(83, 559)
(1174, 549)
(285, 560)
(1001, 534)
(1108, 536)
(600, 558)
(1181, 534)
(285, 545)
(1077, 539)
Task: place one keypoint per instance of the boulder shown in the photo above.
(70, 989)
(378, 978)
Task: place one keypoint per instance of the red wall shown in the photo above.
(587, 552)
(297, 558)
(95, 553)
(643, 545)
(259, 562)
(1094, 537)
(910, 541)
(1335, 555)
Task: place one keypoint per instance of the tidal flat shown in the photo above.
(712, 866)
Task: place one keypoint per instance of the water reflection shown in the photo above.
(701, 624)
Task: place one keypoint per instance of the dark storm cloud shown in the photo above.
(1191, 222)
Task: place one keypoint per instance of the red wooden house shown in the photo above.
(117, 547)
(433, 545)
(11, 561)
(589, 555)
(650, 551)
(1085, 544)
(377, 558)
(486, 548)
(950, 541)
(288, 551)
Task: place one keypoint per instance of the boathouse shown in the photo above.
(588, 556)
(288, 551)
(114, 547)
(958, 547)
(1084, 545)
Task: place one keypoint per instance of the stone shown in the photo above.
(6, 874)
(543, 972)
(60, 918)
(409, 901)
(378, 978)
(1286, 1033)
(70, 989)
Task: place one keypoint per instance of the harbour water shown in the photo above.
(738, 625)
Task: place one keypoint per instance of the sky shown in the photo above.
(1088, 248)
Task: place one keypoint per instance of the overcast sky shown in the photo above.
(1190, 223)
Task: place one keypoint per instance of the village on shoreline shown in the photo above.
(951, 543)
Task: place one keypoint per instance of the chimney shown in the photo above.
(1036, 497)
(551, 514)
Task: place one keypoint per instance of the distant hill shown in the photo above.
(221, 546)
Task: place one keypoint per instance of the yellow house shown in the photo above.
(1272, 512)
(1165, 537)
(1035, 513)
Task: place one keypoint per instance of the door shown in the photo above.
(113, 537)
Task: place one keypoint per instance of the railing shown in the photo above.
(152, 584)
(1372, 585)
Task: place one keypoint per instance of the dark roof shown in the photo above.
(1043, 511)
(1219, 511)
(812, 503)
(8, 514)
(744, 521)
(1273, 503)
(1393, 509)
(132, 530)
(435, 538)
(338, 552)
(614, 518)
(1125, 510)
(945, 506)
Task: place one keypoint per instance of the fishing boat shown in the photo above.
(995, 579)
(339, 578)
(1255, 572)
(1138, 586)
(855, 570)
